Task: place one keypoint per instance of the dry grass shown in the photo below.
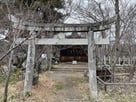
(118, 94)
(50, 90)
(40, 93)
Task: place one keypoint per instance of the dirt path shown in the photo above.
(74, 86)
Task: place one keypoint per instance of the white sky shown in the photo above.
(75, 19)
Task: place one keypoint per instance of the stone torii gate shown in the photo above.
(89, 28)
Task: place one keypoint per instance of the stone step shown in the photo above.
(70, 69)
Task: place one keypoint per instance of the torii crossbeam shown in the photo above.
(61, 27)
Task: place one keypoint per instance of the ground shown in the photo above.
(67, 86)
(54, 87)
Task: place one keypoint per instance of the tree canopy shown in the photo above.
(46, 8)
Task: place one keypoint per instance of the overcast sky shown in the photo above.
(74, 19)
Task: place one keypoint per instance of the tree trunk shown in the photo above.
(117, 28)
(8, 75)
(117, 34)
(50, 57)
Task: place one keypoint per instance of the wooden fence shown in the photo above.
(120, 61)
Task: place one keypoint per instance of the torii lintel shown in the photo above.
(61, 27)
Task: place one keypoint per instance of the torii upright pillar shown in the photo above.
(92, 65)
(29, 65)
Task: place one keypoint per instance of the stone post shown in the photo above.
(29, 65)
(92, 65)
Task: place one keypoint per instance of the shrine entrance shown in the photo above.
(89, 41)
(77, 53)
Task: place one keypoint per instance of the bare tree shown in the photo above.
(29, 11)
